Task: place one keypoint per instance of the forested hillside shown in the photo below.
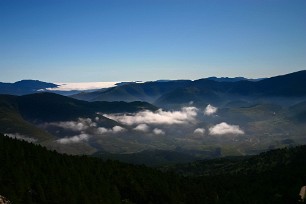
(32, 174)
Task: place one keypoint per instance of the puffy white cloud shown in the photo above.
(102, 130)
(199, 131)
(74, 139)
(142, 128)
(185, 115)
(115, 129)
(73, 125)
(224, 128)
(158, 131)
(79, 125)
(209, 110)
(20, 137)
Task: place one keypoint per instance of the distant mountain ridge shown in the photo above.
(25, 87)
(171, 91)
(234, 79)
(209, 90)
(149, 91)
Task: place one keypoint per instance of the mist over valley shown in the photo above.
(196, 139)
(238, 117)
(152, 102)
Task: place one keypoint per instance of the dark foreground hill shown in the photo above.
(32, 174)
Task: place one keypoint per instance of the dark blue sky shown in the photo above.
(123, 40)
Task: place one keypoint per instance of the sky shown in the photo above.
(129, 40)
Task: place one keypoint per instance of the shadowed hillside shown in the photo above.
(21, 114)
(32, 174)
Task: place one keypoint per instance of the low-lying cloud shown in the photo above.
(158, 131)
(185, 115)
(199, 131)
(142, 128)
(115, 129)
(224, 128)
(82, 86)
(21, 137)
(210, 110)
(85, 128)
(74, 139)
(83, 124)
(80, 125)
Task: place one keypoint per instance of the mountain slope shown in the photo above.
(23, 114)
(274, 177)
(12, 122)
(155, 158)
(290, 86)
(148, 91)
(297, 112)
(53, 107)
(273, 160)
(203, 90)
(26, 177)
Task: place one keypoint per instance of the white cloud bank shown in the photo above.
(185, 115)
(82, 86)
(224, 128)
(74, 139)
(210, 110)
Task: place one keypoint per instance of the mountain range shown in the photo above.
(228, 116)
(213, 140)
(203, 91)
(173, 92)
(24, 87)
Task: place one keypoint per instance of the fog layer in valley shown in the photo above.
(237, 131)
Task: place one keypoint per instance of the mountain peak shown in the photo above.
(25, 87)
(34, 84)
(231, 79)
